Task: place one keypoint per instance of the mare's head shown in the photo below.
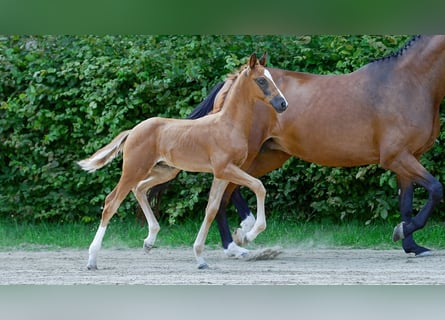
(264, 87)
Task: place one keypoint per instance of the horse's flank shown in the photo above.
(355, 118)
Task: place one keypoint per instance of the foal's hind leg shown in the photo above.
(406, 192)
(159, 174)
(127, 182)
(112, 203)
(408, 167)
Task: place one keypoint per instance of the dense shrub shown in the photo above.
(63, 97)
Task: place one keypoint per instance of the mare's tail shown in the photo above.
(104, 156)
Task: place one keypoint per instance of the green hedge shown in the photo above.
(63, 97)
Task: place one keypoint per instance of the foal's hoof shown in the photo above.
(398, 233)
(91, 267)
(239, 237)
(203, 266)
(147, 247)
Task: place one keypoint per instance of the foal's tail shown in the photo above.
(104, 156)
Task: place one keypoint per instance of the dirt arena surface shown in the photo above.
(167, 266)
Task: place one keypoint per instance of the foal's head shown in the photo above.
(264, 87)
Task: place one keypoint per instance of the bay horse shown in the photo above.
(155, 150)
(386, 112)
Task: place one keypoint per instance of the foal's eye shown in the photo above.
(261, 81)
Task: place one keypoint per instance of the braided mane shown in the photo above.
(399, 52)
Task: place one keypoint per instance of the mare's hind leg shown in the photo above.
(406, 192)
(159, 174)
(247, 218)
(230, 246)
(408, 167)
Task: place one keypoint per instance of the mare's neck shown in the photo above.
(426, 60)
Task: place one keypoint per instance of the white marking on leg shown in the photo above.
(247, 223)
(215, 195)
(235, 251)
(152, 222)
(260, 223)
(95, 247)
(239, 235)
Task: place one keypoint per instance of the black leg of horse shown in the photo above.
(240, 204)
(435, 191)
(223, 226)
(406, 192)
(221, 218)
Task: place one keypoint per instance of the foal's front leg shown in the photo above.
(238, 176)
(215, 196)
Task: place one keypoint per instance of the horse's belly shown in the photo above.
(339, 152)
(336, 159)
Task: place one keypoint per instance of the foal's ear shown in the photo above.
(263, 59)
(252, 61)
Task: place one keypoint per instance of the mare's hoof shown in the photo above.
(418, 251)
(422, 254)
(234, 251)
(90, 267)
(203, 266)
(398, 233)
(244, 255)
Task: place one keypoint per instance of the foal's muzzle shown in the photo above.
(279, 103)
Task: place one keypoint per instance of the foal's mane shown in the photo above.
(222, 94)
(399, 52)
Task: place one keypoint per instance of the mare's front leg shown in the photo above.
(406, 192)
(215, 196)
(407, 166)
(231, 248)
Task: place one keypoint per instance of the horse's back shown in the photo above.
(339, 118)
(351, 116)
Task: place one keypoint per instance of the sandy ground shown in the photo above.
(166, 266)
